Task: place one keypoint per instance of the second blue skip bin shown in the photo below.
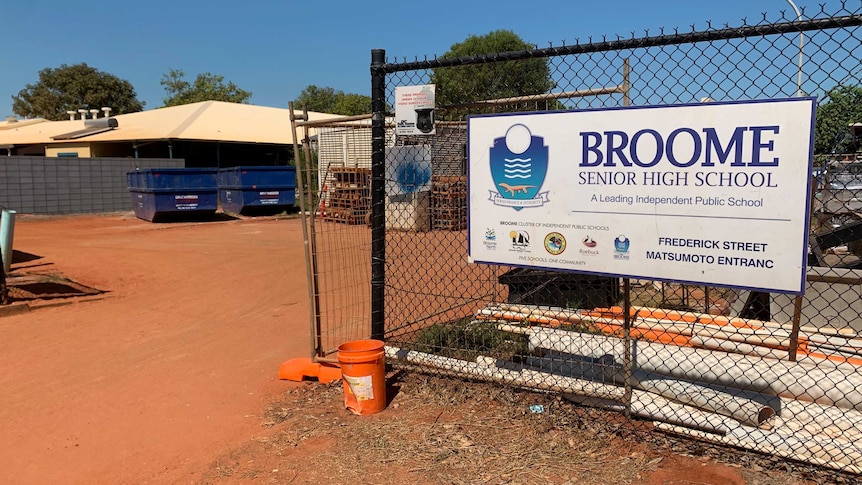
(245, 190)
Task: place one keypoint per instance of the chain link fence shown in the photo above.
(775, 373)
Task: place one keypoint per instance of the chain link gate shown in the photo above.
(773, 373)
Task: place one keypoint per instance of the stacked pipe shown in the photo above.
(726, 379)
(688, 329)
(797, 434)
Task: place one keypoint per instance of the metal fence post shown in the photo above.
(627, 340)
(378, 173)
(306, 212)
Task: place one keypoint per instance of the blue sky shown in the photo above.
(276, 48)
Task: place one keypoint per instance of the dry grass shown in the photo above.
(446, 431)
(443, 430)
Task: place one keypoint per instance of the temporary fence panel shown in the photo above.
(334, 181)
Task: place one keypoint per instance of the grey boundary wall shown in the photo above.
(61, 185)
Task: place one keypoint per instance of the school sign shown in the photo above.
(711, 193)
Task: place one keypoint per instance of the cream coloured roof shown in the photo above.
(204, 121)
(16, 123)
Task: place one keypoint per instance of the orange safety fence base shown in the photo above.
(303, 368)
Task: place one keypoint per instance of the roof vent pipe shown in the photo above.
(107, 112)
(83, 113)
(71, 115)
(94, 113)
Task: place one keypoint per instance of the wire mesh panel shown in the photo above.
(337, 197)
(772, 372)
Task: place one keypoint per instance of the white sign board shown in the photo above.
(414, 110)
(712, 193)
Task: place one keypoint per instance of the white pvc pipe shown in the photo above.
(818, 446)
(848, 352)
(837, 341)
(7, 236)
(818, 452)
(753, 336)
(716, 344)
(830, 384)
(729, 346)
(805, 331)
(745, 407)
(834, 422)
(523, 378)
(739, 408)
(658, 408)
(793, 437)
(644, 404)
(652, 404)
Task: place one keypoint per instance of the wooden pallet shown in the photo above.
(450, 205)
(449, 212)
(351, 177)
(453, 225)
(449, 179)
(351, 220)
(449, 202)
(344, 217)
(350, 198)
(341, 199)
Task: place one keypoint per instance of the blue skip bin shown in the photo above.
(257, 190)
(159, 193)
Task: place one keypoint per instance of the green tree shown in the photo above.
(831, 131)
(476, 82)
(69, 88)
(328, 100)
(352, 104)
(317, 99)
(206, 87)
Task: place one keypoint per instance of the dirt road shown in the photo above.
(172, 366)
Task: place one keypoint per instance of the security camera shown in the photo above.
(425, 119)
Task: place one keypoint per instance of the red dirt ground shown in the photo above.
(174, 364)
(173, 367)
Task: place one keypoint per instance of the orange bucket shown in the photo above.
(363, 373)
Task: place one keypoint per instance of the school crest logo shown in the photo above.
(555, 243)
(621, 247)
(519, 164)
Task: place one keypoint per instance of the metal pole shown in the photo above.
(541, 97)
(312, 234)
(4, 292)
(794, 333)
(627, 95)
(378, 174)
(7, 236)
(801, 43)
(312, 310)
(627, 339)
